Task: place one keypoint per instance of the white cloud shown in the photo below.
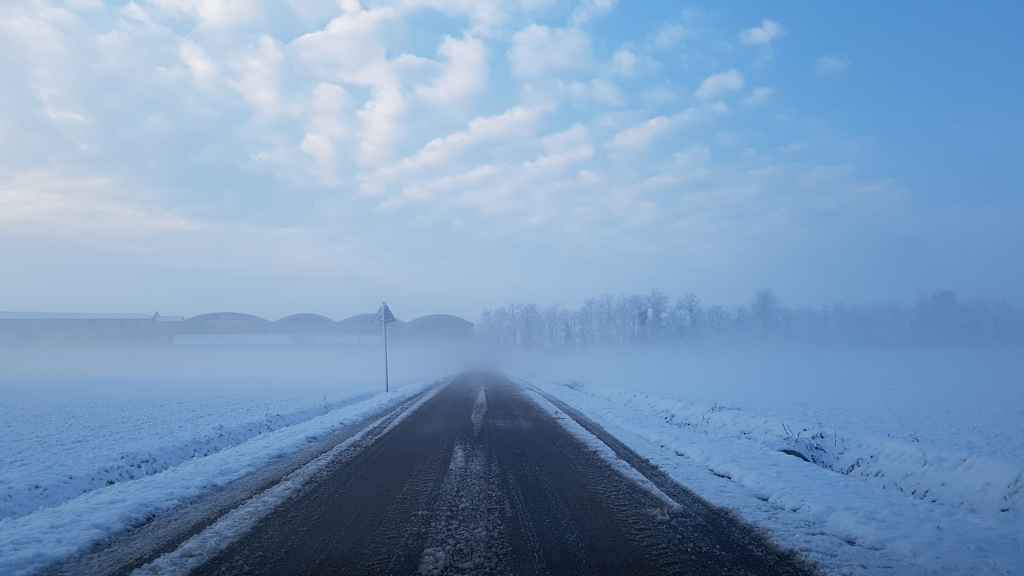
(535, 5)
(597, 91)
(638, 137)
(766, 33)
(669, 36)
(147, 90)
(195, 59)
(590, 9)
(485, 15)
(831, 65)
(440, 152)
(506, 185)
(259, 76)
(42, 201)
(687, 166)
(659, 95)
(85, 5)
(563, 150)
(604, 92)
(329, 122)
(380, 119)
(314, 11)
(464, 73)
(538, 50)
(213, 13)
(426, 190)
(641, 135)
(524, 187)
(350, 48)
(67, 116)
(624, 62)
(720, 84)
(573, 137)
(554, 162)
(760, 95)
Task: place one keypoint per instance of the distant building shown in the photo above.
(221, 328)
(83, 329)
(436, 327)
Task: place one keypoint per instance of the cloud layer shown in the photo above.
(374, 142)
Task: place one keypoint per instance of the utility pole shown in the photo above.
(385, 317)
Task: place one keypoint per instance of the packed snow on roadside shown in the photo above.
(868, 461)
(96, 440)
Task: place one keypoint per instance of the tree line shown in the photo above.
(937, 319)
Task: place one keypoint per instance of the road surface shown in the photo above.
(481, 480)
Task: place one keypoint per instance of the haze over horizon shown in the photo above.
(448, 156)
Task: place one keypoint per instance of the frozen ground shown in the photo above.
(914, 459)
(94, 440)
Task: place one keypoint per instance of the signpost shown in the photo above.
(385, 317)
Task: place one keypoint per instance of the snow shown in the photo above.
(915, 456)
(96, 440)
(465, 535)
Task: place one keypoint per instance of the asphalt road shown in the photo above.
(480, 480)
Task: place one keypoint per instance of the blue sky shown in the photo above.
(273, 157)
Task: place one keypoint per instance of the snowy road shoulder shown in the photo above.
(31, 542)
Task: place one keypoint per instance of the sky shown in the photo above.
(187, 156)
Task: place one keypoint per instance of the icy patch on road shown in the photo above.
(467, 535)
(479, 411)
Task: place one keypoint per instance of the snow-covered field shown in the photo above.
(94, 440)
(899, 461)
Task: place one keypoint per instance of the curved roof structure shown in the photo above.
(306, 323)
(360, 324)
(226, 323)
(444, 326)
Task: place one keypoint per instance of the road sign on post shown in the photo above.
(385, 317)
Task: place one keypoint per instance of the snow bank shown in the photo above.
(869, 461)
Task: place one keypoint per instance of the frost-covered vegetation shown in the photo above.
(937, 319)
